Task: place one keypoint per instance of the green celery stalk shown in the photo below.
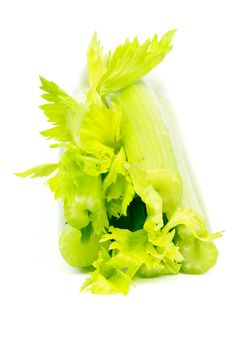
(149, 148)
(147, 144)
(192, 195)
(130, 200)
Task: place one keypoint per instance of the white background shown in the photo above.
(41, 307)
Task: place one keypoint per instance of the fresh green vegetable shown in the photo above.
(71, 242)
(130, 200)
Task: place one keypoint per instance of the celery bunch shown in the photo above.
(129, 197)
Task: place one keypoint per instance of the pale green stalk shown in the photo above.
(192, 195)
(147, 144)
(131, 203)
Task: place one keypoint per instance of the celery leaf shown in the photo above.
(59, 110)
(39, 171)
(118, 189)
(132, 60)
(97, 63)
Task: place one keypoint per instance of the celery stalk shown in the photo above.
(162, 159)
(131, 203)
(192, 195)
(147, 144)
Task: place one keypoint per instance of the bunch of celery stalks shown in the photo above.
(131, 204)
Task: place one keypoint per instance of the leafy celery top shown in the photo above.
(123, 193)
